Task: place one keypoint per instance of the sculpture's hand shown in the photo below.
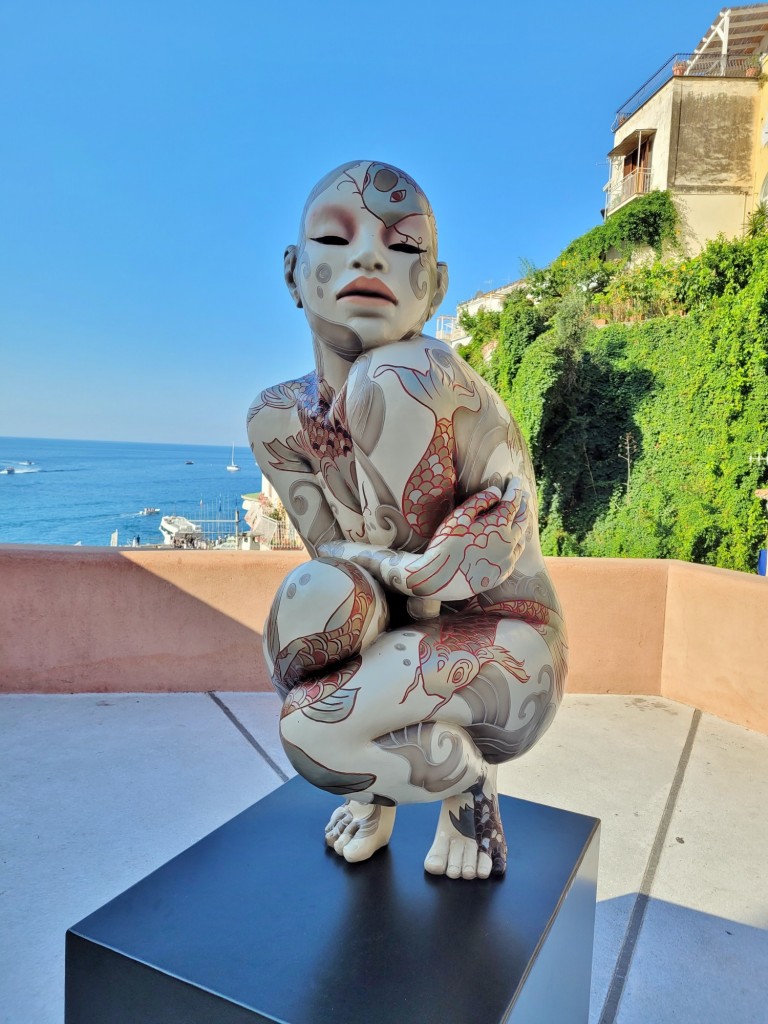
(475, 548)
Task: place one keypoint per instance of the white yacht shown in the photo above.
(181, 532)
(233, 467)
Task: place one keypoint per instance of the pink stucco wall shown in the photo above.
(101, 619)
(104, 619)
(614, 611)
(715, 651)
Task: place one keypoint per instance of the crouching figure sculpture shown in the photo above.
(423, 644)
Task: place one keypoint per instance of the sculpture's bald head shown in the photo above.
(365, 269)
(387, 192)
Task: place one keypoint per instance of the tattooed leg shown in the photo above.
(357, 830)
(469, 841)
(418, 716)
(418, 763)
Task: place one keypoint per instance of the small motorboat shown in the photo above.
(8, 470)
(189, 462)
(149, 511)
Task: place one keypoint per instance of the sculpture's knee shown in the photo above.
(325, 611)
(294, 738)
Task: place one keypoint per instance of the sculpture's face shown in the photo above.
(366, 268)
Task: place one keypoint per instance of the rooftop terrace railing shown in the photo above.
(689, 65)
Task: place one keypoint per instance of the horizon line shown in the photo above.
(98, 440)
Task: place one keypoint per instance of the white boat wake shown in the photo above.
(17, 468)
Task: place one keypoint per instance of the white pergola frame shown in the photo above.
(737, 31)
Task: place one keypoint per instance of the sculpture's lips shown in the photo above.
(367, 289)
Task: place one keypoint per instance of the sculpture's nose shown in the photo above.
(367, 252)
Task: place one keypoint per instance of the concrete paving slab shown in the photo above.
(259, 713)
(716, 855)
(613, 757)
(702, 954)
(695, 968)
(98, 790)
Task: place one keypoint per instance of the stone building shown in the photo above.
(699, 127)
(449, 328)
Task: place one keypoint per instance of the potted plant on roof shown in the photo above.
(753, 66)
(679, 68)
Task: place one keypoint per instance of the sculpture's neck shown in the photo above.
(332, 369)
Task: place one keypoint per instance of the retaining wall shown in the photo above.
(101, 619)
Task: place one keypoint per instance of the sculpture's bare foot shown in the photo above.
(469, 842)
(356, 831)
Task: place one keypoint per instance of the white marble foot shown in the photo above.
(469, 841)
(356, 831)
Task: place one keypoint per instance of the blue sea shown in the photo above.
(70, 492)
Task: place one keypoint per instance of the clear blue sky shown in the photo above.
(155, 156)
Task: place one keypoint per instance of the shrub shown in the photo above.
(692, 391)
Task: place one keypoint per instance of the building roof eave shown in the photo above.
(631, 141)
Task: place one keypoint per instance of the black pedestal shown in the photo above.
(260, 921)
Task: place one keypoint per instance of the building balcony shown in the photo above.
(688, 65)
(136, 718)
(636, 183)
(449, 330)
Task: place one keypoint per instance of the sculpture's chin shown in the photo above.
(340, 338)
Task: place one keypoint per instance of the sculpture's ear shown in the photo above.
(440, 288)
(290, 274)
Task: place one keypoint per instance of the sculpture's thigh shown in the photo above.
(477, 672)
(363, 730)
(493, 677)
(513, 698)
(326, 611)
(419, 713)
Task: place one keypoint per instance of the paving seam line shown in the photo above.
(624, 960)
(249, 736)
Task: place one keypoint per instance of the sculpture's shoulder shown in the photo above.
(421, 354)
(426, 369)
(432, 374)
(279, 405)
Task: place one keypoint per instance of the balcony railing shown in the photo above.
(450, 330)
(689, 65)
(619, 191)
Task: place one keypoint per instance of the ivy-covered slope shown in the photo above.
(642, 388)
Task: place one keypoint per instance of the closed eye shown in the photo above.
(331, 240)
(405, 247)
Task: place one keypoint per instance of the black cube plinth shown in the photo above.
(260, 921)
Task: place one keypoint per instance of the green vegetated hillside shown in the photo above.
(640, 380)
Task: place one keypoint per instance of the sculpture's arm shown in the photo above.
(426, 430)
(272, 431)
(473, 550)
